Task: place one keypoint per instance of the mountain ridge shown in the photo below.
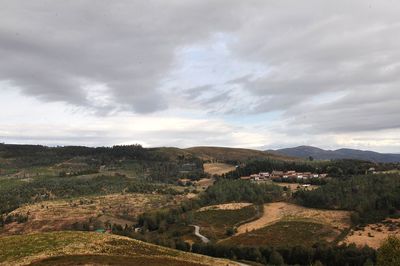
(343, 153)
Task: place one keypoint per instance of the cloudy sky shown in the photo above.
(256, 73)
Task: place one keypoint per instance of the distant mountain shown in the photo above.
(320, 154)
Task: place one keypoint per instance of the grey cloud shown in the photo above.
(348, 47)
(48, 48)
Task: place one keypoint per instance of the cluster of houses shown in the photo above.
(282, 174)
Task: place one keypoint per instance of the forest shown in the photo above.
(320, 254)
(371, 197)
(157, 164)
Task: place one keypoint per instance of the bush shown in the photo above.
(389, 252)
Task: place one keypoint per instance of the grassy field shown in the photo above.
(218, 168)
(215, 222)
(71, 248)
(62, 214)
(285, 233)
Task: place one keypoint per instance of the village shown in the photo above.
(279, 175)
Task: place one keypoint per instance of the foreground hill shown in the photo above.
(72, 248)
(320, 154)
(224, 154)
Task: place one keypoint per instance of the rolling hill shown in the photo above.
(223, 154)
(320, 154)
(88, 248)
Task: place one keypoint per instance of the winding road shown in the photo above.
(197, 233)
(206, 240)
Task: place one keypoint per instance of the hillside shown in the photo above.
(223, 154)
(72, 248)
(320, 154)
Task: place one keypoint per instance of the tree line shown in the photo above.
(319, 254)
(371, 197)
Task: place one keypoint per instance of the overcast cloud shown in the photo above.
(252, 73)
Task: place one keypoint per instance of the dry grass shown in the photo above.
(23, 250)
(226, 206)
(374, 234)
(218, 168)
(205, 182)
(274, 212)
(62, 214)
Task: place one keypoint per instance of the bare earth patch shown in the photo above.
(226, 206)
(62, 214)
(274, 212)
(205, 182)
(374, 234)
(218, 168)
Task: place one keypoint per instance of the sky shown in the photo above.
(257, 74)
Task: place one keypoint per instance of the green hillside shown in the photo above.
(72, 248)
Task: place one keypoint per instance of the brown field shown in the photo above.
(205, 182)
(85, 248)
(274, 212)
(374, 234)
(218, 168)
(62, 214)
(226, 206)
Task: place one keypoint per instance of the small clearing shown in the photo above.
(226, 206)
(374, 234)
(296, 186)
(218, 168)
(274, 212)
(205, 182)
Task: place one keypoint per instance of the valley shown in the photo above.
(89, 205)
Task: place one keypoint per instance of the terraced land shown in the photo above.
(84, 248)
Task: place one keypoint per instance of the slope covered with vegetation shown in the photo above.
(101, 249)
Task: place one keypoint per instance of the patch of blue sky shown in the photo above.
(209, 63)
